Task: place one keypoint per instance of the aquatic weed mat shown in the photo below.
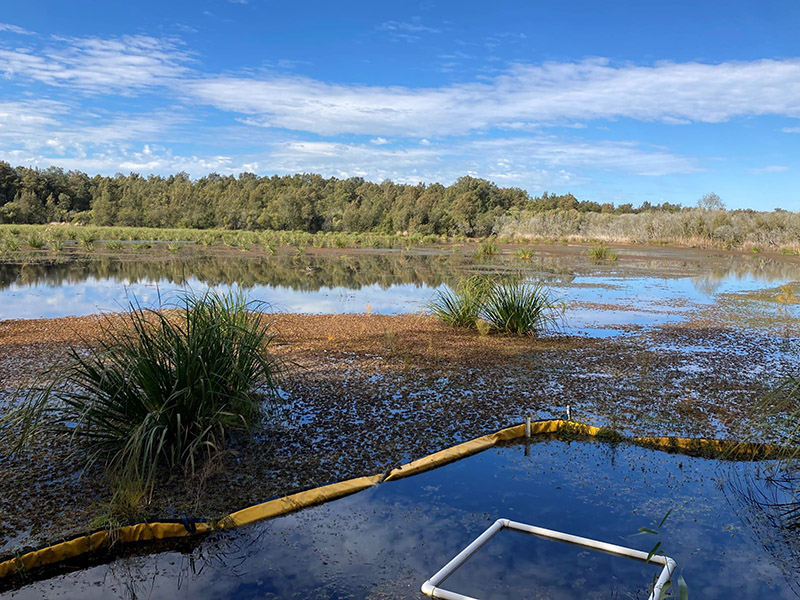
(371, 392)
(386, 540)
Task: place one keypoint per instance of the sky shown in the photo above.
(658, 101)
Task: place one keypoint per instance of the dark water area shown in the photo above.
(386, 541)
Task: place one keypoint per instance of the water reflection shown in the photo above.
(638, 290)
(768, 499)
(384, 542)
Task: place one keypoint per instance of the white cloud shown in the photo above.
(544, 160)
(414, 27)
(45, 126)
(553, 152)
(110, 161)
(15, 29)
(29, 124)
(768, 169)
(791, 130)
(523, 97)
(379, 141)
(100, 65)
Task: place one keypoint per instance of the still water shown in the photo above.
(661, 287)
(384, 542)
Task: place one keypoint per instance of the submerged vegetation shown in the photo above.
(159, 388)
(510, 306)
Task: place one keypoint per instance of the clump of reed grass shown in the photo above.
(87, 240)
(524, 253)
(510, 306)
(35, 241)
(520, 308)
(486, 249)
(602, 252)
(114, 246)
(157, 388)
(461, 306)
(11, 244)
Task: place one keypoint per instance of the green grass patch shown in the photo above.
(35, 241)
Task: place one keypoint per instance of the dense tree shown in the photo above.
(470, 206)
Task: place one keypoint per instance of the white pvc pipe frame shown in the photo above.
(430, 587)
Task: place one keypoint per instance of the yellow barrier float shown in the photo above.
(141, 532)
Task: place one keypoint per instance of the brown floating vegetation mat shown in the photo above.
(371, 392)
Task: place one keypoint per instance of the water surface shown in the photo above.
(661, 287)
(384, 542)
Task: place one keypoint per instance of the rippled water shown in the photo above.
(384, 542)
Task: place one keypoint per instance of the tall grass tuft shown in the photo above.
(461, 307)
(602, 252)
(520, 308)
(11, 244)
(505, 306)
(486, 249)
(35, 241)
(158, 388)
(524, 253)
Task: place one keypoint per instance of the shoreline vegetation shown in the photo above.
(309, 210)
(62, 242)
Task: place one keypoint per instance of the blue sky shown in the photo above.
(612, 101)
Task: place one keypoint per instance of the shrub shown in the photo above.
(158, 387)
(11, 244)
(87, 240)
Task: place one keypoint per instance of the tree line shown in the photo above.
(302, 202)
